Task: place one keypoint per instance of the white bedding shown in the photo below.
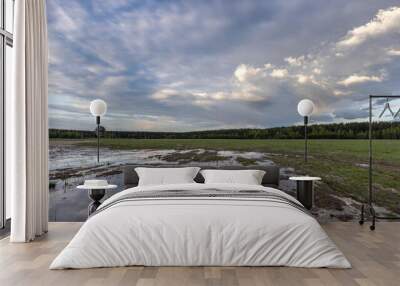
(193, 231)
(249, 177)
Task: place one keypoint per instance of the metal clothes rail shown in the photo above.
(370, 189)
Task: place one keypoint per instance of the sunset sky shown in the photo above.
(196, 65)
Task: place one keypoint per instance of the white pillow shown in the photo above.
(165, 176)
(248, 177)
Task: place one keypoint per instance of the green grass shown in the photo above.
(193, 156)
(387, 150)
(336, 161)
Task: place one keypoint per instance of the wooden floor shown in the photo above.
(375, 257)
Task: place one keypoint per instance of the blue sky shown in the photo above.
(195, 65)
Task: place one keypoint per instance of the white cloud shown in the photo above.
(105, 6)
(302, 79)
(268, 66)
(203, 98)
(165, 94)
(243, 72)
(338, 92)
(386, 21)
(295, 61)
(279, 73)
(176, 58)
(111, 83)
(317, 71)
(393, 52)
(67, 18)
(357, 79)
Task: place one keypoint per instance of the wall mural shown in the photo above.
(217, 83)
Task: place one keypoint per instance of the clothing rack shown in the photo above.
(370, 190)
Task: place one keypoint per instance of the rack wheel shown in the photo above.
(361, 222)
(372, 227)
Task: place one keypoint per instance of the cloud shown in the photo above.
(244, 72)
(303, 79)
(295, 61)
(179, 97)
(386, 21)
(317, 71)
(337, 92)
(279, 73)
(213, 64)
(351, 113)
(357, 79)
(393, 52)
(105, 6)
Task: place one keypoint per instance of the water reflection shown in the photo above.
(71, 165)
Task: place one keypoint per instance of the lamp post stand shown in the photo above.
(98, 138)
(305, 108)
(98, 107)
(305, 138)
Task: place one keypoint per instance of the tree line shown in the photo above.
(357, 130)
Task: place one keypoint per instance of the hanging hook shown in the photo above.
(387, 107)
(397, 114)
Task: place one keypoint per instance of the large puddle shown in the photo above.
(70, 156)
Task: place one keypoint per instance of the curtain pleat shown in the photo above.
(29, 158)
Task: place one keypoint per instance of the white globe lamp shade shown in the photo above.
(98, 107)
(305, 107)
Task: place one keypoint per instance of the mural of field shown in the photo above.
(342, 165)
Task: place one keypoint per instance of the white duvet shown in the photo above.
(212, 231)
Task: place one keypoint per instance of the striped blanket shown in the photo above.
(205, 194)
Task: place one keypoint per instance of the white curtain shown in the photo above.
(27, 123)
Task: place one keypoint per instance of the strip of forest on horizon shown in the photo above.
(357, 130)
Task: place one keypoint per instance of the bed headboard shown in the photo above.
(270, 179)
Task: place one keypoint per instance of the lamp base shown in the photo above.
(96, 195)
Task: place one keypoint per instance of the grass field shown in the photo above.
(388, 150)
(341, 163)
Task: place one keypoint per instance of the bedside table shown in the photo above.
(305, 190)
(96, 192)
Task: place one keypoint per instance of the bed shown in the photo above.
(198, 224)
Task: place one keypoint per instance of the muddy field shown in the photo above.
(70, 164)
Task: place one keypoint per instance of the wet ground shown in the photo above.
(70, 165)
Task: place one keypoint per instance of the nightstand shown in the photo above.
(96, 191)
(305, 190)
